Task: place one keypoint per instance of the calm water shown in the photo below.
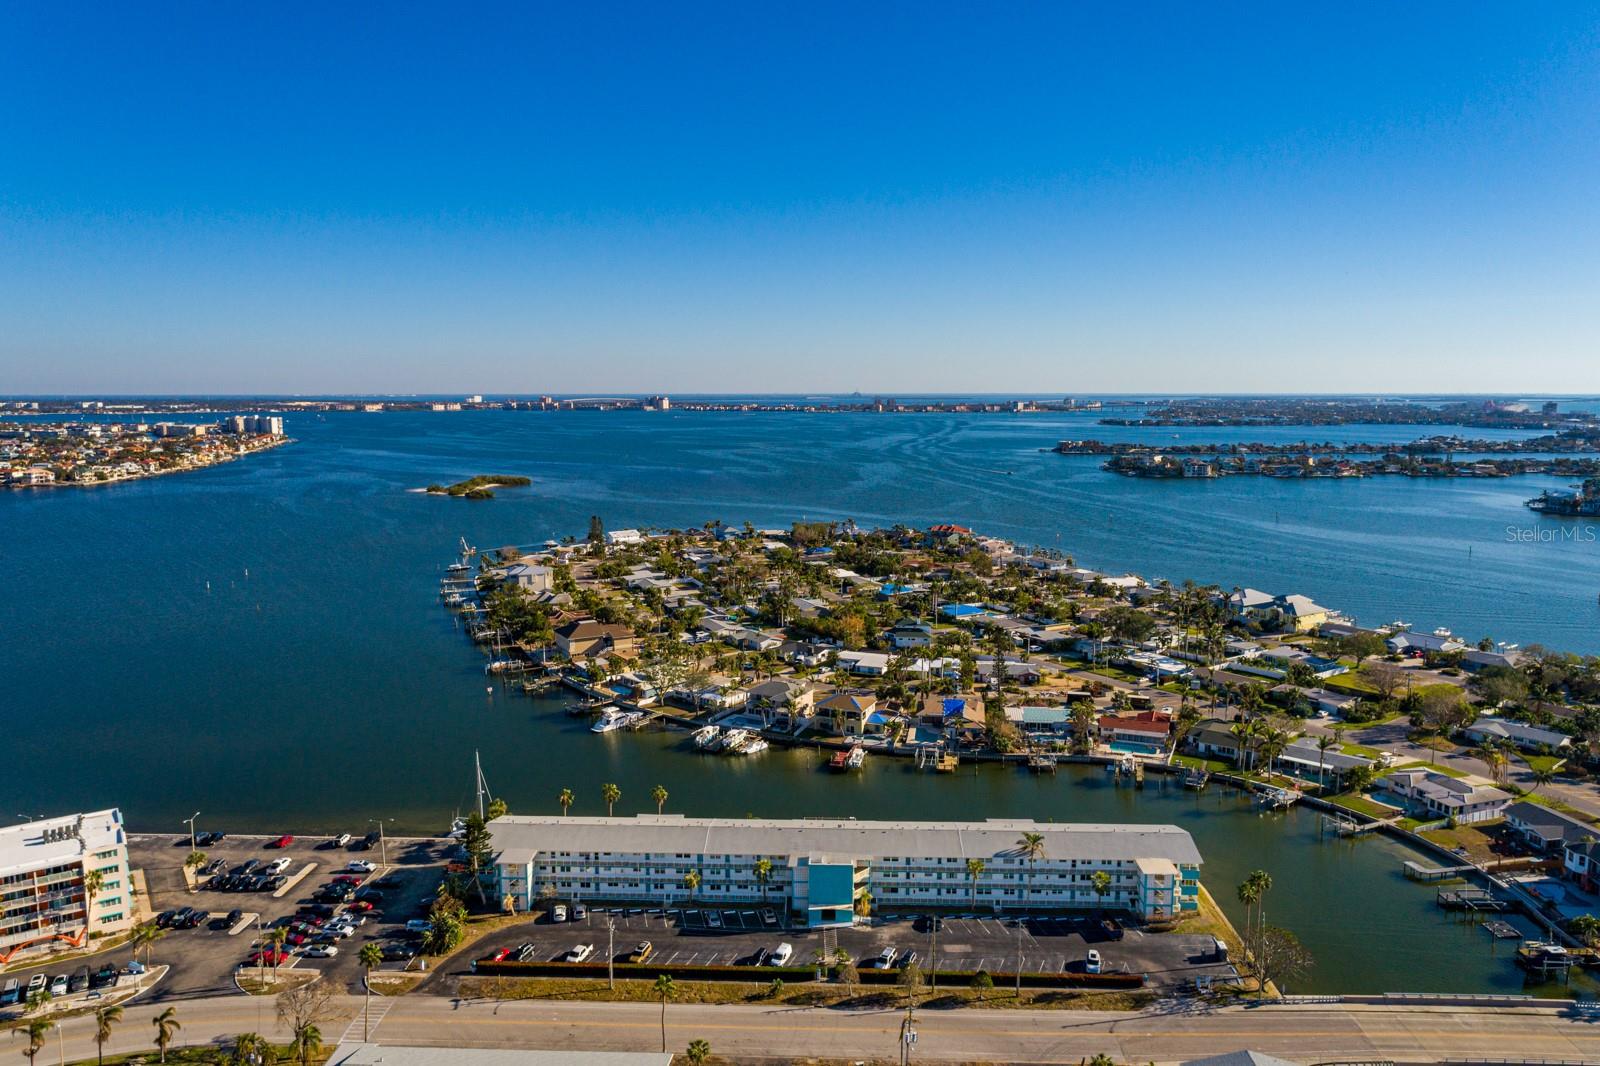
(327, 686)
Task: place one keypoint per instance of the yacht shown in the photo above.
(610, 719)
(734, 740)
(754, 745)
(706, 737)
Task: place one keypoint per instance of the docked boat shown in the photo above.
(839, 762)
(1195, 779)
(856, 759)
(705, 737)
(754, 746)
(610, 719)
(734, 740)
(458, 568)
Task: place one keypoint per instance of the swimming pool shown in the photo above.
(1132, 747)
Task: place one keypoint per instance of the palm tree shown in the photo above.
(104, 1019)
(610, 793)
(1542, 775)
(371, 957)
(697, 1052)
(864, 903)
(565, 799)
(666, 988)
(36, 1032)
(307, 1042)
(144, 936)
(1324, 742)
(93, 882)
(659, 794)
(252, 1048)
(691, 881)
(167, 1027)
(763, 872)
(1100, 881)
(1032, 846)
(277, 936)
(975, 868)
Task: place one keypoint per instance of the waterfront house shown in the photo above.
(1580, 862)
(1492, 730)
(1144, 730)
(1214, 738)
(823, 867)
(784, 701)
(846, 713)
(618, 538)
(1473, 660)
(1041, 721)
(585, 638)
(1447, 797)
(1548, 830)
(1302, 758)
(1406, 642)
(529, 577)
(1299, 613)
(1249, 605)
(802, 653)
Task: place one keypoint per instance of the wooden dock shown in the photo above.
(1418, 872)
(1470, 899)
(1502, 930)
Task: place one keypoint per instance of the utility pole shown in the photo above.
(908, 1036)
(1019, 958)
(611, 952)
(383, 843)
(192, 845)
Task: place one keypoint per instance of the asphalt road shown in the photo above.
(778, 1033)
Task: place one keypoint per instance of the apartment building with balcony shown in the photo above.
(819, 869)
(45, 869)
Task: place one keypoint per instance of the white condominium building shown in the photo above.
(820, 869)
(43, 895)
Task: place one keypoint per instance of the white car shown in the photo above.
(578, 953)
(360, 866)
(351, 918)
(322, 951)
(342, 840)
(277, 866)
(558, 913)
(781, 955)
(58, 985)
(339, 932)
(1093, 964)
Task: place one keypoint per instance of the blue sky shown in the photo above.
(699, 198)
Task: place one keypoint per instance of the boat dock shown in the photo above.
(1470, 899)
(1502, 930)
(1042, 764)
(1276, 799)
(1418, 872)
(1545, 961)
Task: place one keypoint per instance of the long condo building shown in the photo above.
(825, 870)
(44, 867)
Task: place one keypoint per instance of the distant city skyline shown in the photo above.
(1036, 200)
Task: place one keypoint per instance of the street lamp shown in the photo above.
(190, 822)
(383, 843)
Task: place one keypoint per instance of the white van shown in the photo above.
(781, 955)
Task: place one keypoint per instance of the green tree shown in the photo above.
(983, 984)
(1100, 881)
(565, 799)
(307, 1042)
(659, 794)
(975, 868)
(478, 843)
(36, 1030)
(1542, 775)
(1031, 845)
(167, 1027)
(691, 881)
(144, 937)
(665, 988)
(371, 958)
(1279, 957)
(252, 1049)
(697, 1052)
(104, 1019)
(610, 793)
(498, 808)
(1585, 927)
(763, 873)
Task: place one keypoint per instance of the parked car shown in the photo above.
(341, 841)
(578, 953)
(105, 977)
(79, 981)
(558, 913)
(641, 951)
(501, 955)
(769, 918)
(419, 925)
(907, 959)
(1111, 929)
(35, 983)
(1093, 963)
(579, 912)
(885, 958)
(524, 952)
(781, 955)
(370, 840)
(277, 866)
(11, 993)
(714, 919)
(283, 841)
(58, 985)
(395, 951)
(268, 957)
(322, 951)
(360, 866)
(250, 867)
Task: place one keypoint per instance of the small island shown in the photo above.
(478, 488)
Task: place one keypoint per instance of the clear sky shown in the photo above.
(1061, 198)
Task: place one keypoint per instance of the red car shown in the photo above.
(347, 879)
(283, 841)
(360, 906)
(500, 955)
(269, 958)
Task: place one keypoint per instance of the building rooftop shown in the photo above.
(51, 841)
(521, 837)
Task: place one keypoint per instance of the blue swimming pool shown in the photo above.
(1131, 747)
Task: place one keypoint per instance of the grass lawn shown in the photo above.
(1553, 763)
(1115, 673)
(1196, 762)
(1472, 837)
(1438, 768)
(1361, 749)
(1554, 804)
(1437, 743)
(1352, 683)
(808, 994)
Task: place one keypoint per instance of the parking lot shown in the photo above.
(203, 958)
(691, 937)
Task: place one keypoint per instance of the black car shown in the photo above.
(370, 841)
(371, 895)
(164, 919)
(250, 866)
(105, 977)
(196, 919)
(233, 917)
(398, 952)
